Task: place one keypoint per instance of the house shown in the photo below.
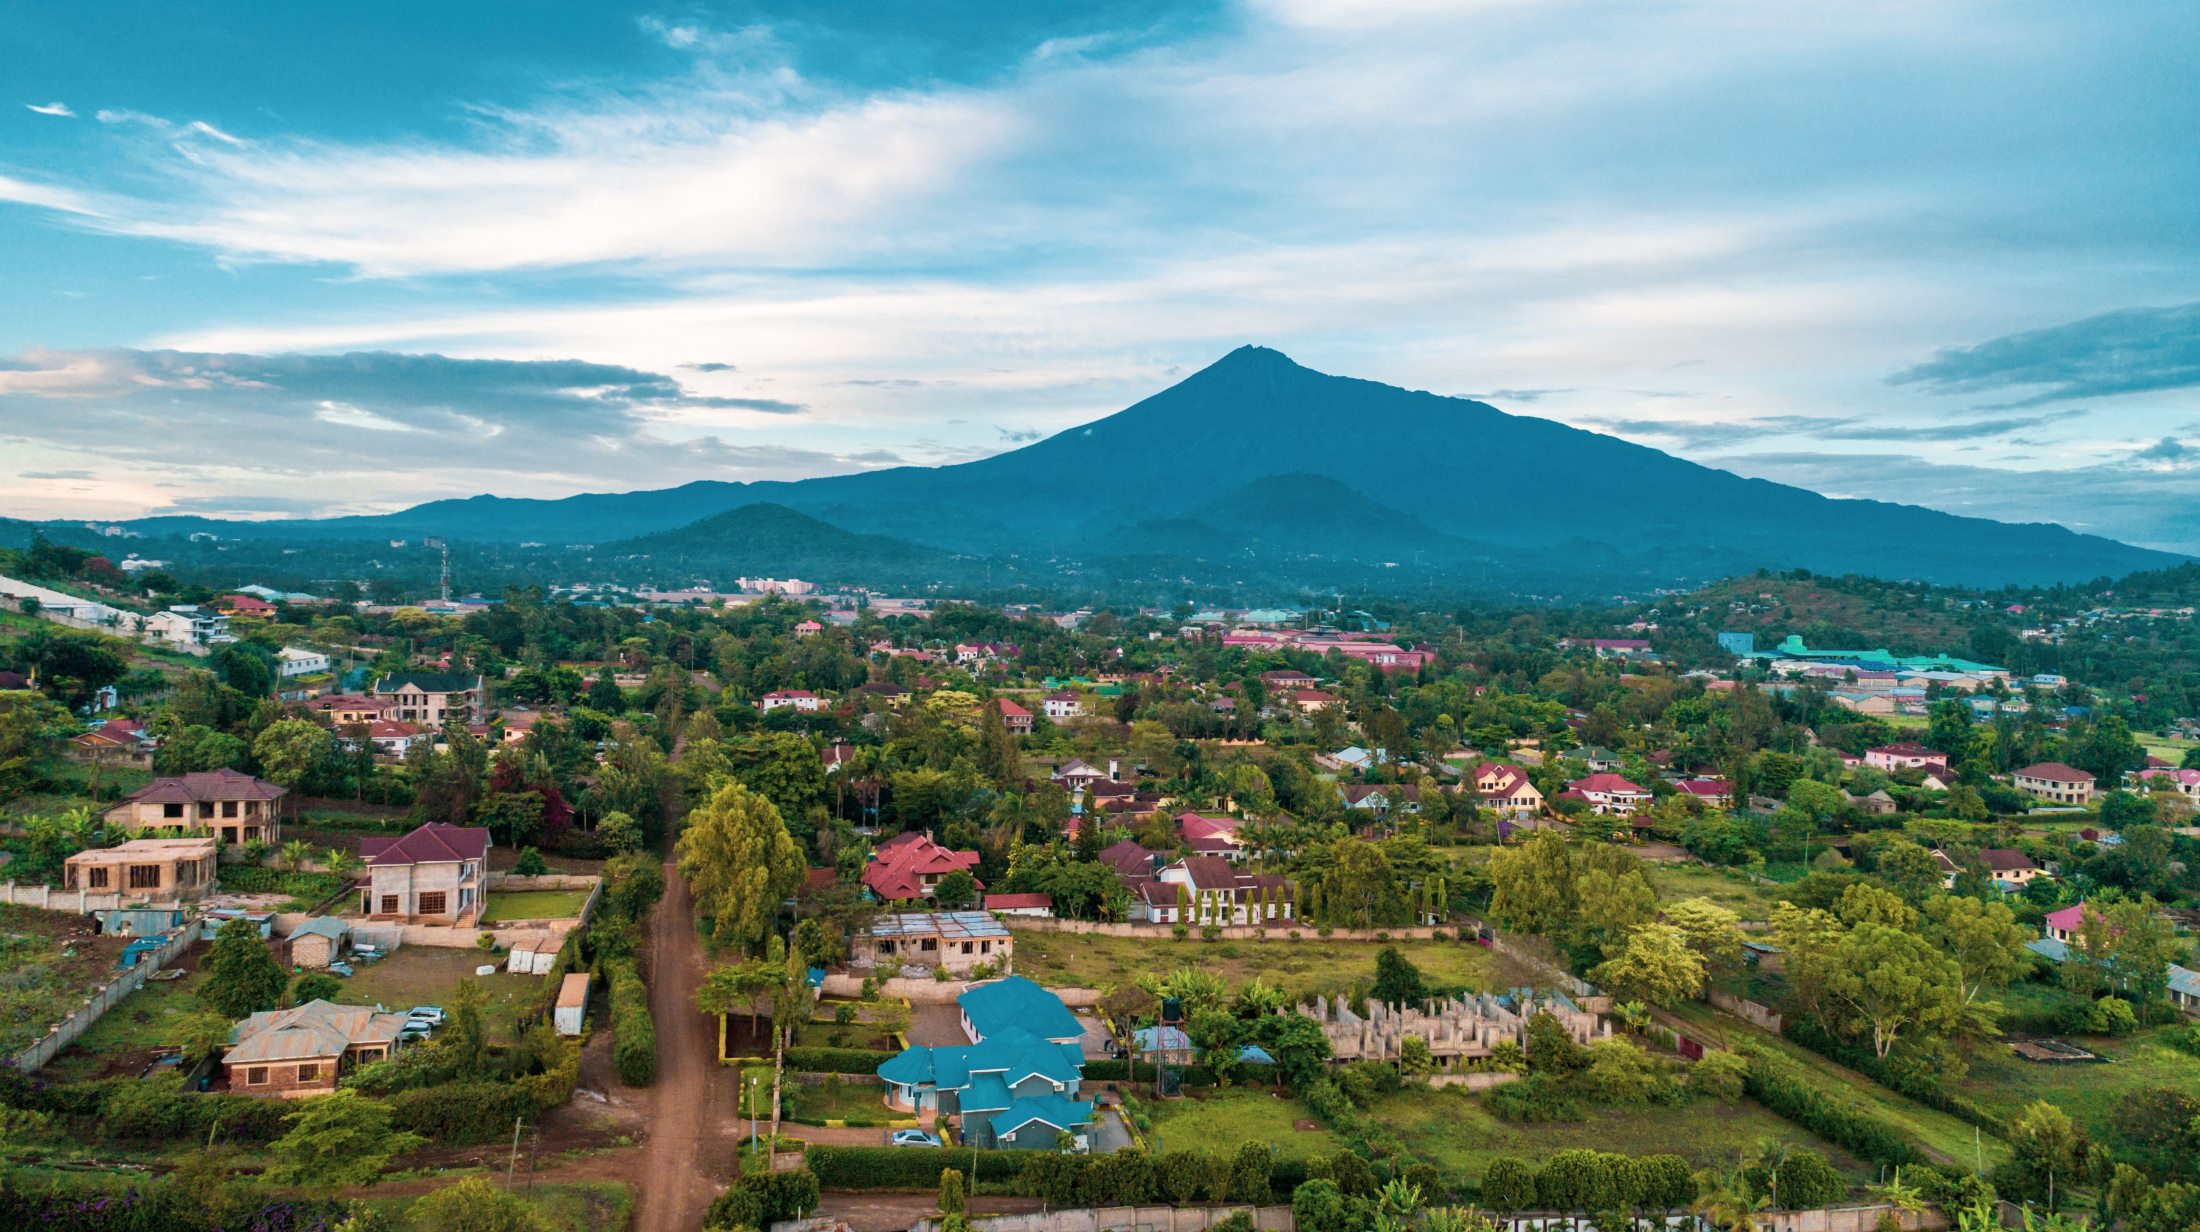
(1599, 759)
(1215, 892)
(1287, 680)
(343, 709)
(2063, 925)
(236, 807)
(163, 868)
(808, 628)
(431, 698)
(294, 661)
(390, 738)
(1352, 758)
(246, 605)
(2054, 782)
(1129, 860)
(956, 942)
(801, 701)
(1211, 836)
(304, 1050)
(1015, 718)
(892, 695)
(1076, 773)
(1381, 798)
(189, 625)
(1610, 794)
(1014, 1086)
(117, 742)
(1505, 788)
(1907, 755)
(2009, 867)
(2185, 782)
(909, 866)
(1063, 705)
(1880, 804)
(317, 942)
(437, 874)
(1310, 701)
(1037, 906)
(837, 754)
(1713, 793)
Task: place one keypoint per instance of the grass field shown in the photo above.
(123, 1040)
(1453, 1129)
(1937, 1132)
(49, 961)
(1301, 967)
(592, 1206)
(428, 975)
(1219, 1120)
(2006, 1084)
(1731, 890)
(504, 905)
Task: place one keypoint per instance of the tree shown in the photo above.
(2141, 946)
(32, 733)
(464, 1041)
(1886, 984)
(1508, 1185)
(475, 1204)
(71, 664)
(2045, 1151)
(242, 976)
(1656, 964)
(1250, 1170)
(620, 832)
(338, 1139)
(1533, 884)
(1807, 1181)
(201, 1035)
(951, 1191)
(1983, 938)
(956, 891)
(741, 863)
(316, 986)
(1397, 980)
(1320, 1206)
(1710, 930)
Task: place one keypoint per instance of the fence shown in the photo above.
(1751, 1012)
(842, 984)
(46, 898)
(69, 1029)
(1274, 930)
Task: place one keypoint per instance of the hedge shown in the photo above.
(462, 1113)
(820, 1060)
(911, 1167)
(633, 1032)
(1924, 1088)
(1117, 1069)
(260, 879)
(762, 1200)
(98, 1204)
(1791, 1098)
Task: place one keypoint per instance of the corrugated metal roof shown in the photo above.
(947, 925)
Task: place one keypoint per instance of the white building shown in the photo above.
(293, 661)
(189, 625)
(801, 700)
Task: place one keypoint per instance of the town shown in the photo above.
(1785, 904)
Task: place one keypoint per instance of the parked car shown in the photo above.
(412, 1031)
(911, 1137)
(431, 1015)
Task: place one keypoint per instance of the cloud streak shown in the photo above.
(2136, 350)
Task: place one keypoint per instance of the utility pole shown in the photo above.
(512, 1169)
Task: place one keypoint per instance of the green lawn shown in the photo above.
(1729, 889)
(1301, 967)
(123, 1039)
(49, 961)
(1217, 1121)
(591, 1206)
(1461, 1137)
(2088, 1092)
(506, 905)
(428, 975)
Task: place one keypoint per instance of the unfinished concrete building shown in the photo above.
(1457, 1030)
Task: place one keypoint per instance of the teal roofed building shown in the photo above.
(1015, 1086)
(1792, 647)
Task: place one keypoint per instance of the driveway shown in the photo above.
(1108, 1134)
(936, 1026)
(693, 1141)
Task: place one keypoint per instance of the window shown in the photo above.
(206, 810)
(389, 904)
(171, 810)
(256, 1076)
(928, 945)
(309, 1073)
(966, 947)
(145, 876)
(433, 902)
(229, 808)
(96, 877)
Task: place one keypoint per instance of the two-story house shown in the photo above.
(910, 865)
(1015, 1086)
(437, 874)
(1213, 891)
(431, 698)
(2054, 782)
(235, 807)
(1505, 788)
(189, 625)
(1906, 755)
(1610, 794)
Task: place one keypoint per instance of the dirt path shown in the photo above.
(691, 1144)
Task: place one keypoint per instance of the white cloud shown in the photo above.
(52, 109)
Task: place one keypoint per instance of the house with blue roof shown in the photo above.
(1015, 1085)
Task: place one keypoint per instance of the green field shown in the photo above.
(591, 1206)
(1461, 1137)
(1217, 1121)
(123, 1040)
(1728, 889)
(428, 975)
(506, 905)
(2088, 1092)
(1301, 967)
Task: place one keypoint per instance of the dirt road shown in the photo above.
(692, 1144)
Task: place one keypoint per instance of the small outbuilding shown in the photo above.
(572, 1007)
(318, 942)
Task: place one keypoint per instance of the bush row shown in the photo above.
(1922, 1087)
(1792, 1098)
(890, 1167)
(762, 1200)
(462, 1113)
(633, 1032)
(98, 1204)
(1580, 1180)
(1117, 1069)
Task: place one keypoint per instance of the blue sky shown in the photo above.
(278, 258)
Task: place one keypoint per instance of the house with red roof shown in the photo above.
(1713, 793)
(801, 700)
(1211, 836)
(2185, 782)
(436, 874)
(1217, 893)
(2063, 925)
(1015, 718)
(1610, 794)
(1038, 906)
(1311, 700)
(245, 605)
(909, 866)
(2054, 782)
(1063, 705)
(123, 742)
(1906, 755)
(1287, 679)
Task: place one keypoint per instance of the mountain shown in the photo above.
(1256, 457)
(773, 540)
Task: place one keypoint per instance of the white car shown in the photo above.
(911, 1137)
(426, 1015)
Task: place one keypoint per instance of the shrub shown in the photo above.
(633, 1031)
(530, 863)
(887, 1167)
(763, 1199)
(1508, 1185)
(1788, 1096)
(2111, 1016)
(461, 1113)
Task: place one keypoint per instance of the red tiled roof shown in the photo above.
(205, 786)
(2005, 860)
(1011, 902)
(819, 878)
(2054, 772)
(1010, 710)
(433, 843)
(1706, 787)
(1606, 784)
(1210, 872)
(899, 865)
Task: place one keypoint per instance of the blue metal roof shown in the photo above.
(1017, 1003)
(1050, 1110)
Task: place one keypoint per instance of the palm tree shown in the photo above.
(345, 864)
(294, 855)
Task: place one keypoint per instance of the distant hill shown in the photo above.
(1256, 458)
(773, 540)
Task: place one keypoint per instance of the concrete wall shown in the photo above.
(546, 881)
(80, 1020)
(1473, 1082)
(847, 986)
(1751, 1012)
(1113, 1219)
(47, 898)
(1276, 930)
